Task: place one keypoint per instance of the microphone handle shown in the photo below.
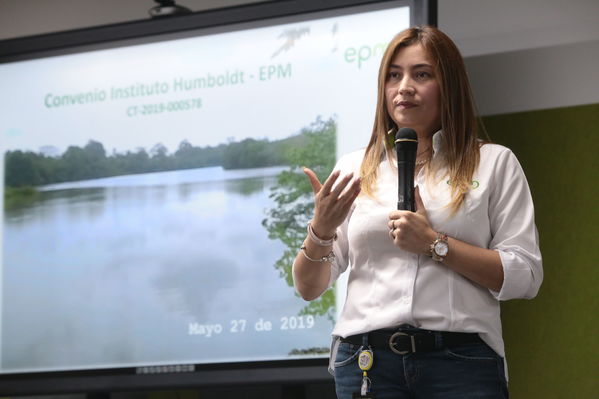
(406, 146)
(405, 175)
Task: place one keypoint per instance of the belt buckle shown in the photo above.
(392, 344)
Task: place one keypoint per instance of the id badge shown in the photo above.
(365, 360)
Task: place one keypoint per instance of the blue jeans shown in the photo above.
(461, 372)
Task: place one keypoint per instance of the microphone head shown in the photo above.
(406, 140)
(405, 133)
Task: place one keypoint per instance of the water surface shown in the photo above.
(135, 270)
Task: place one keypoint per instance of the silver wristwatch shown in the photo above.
(439, 248)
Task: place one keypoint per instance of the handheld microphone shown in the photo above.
(406, 144)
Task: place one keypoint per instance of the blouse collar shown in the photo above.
(437, 141)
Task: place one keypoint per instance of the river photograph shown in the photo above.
(161, 267)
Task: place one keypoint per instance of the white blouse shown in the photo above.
(388, 286)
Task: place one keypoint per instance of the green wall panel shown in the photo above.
(552, 341)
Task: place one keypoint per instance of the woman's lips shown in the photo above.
(405, 104)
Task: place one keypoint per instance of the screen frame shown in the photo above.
(423, 12)
(278, 372)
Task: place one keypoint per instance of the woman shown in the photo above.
(422, 309)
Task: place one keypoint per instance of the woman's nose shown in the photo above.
(405, 87)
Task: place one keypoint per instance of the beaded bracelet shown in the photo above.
(327, 258)
(317, 240)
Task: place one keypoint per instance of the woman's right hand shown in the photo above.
(331, 205)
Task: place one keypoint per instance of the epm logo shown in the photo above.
(362, 54)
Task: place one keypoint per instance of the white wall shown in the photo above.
(542, 78)
(497, 26)
(525, 55)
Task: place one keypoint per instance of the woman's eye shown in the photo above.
(423, 75)
(393, 75)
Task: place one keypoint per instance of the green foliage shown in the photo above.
(258, 153)
(21, 167)
(92, 162)
(294, 200)
(15, 197)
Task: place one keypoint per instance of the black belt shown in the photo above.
(404, 342)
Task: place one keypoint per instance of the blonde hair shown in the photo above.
(458, 117)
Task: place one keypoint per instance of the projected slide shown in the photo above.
(153, 199)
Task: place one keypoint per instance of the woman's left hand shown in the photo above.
(411, 231)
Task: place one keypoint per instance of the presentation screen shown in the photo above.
(153, 198)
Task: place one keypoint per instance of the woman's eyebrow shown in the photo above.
(411, 66)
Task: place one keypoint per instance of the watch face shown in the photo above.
(441, 248)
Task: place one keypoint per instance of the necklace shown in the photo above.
(425, 160)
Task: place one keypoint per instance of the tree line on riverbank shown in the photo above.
(30, 169)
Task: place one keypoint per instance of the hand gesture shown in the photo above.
(411, 231)
(331, 205)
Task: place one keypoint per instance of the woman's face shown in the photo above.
(412, 92)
